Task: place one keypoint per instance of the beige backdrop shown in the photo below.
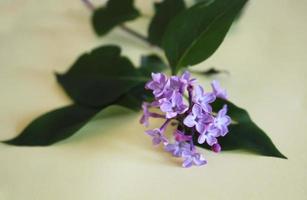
(111, 158)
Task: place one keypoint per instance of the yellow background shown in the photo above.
(111, 158)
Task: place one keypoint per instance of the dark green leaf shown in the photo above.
(114, 13)
(237, 17)
(54, 126)
(99, 78)
(151, 63)
(207, 1)
(134, 98)
(164, 13)
(245, 134)
(195, 34)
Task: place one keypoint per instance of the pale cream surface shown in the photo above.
(111, 158)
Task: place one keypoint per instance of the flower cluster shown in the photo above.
(193, 116)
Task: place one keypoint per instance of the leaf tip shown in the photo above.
(58, 76)
(278, 154)
(282, 156)
(10, 142)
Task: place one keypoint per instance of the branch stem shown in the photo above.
(89, 5)
(135, 34)
(128, 30)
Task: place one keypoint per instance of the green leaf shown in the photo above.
(164, 13)
(134, 98)
(99, 78)
(244, 133)
(207, 1)
(239, 15)
(116, 12)
(54, 126)
(151, 63)
(195, 34)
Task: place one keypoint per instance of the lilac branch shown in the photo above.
(132, 32)
(135, 34)
(89, 5)
(156, 115)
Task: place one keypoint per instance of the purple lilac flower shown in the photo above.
(173, 106)
(180, 84)
(203, 99)
(208, 136)
(175, 84)
(198, 118)
(158, 84)
(186, 78)
(177, 148)
(194, 119)
(221, 122)
(192, 158)
(218, 91)
(145, 117)
(146, 114)
(219, 127)
(157, 136)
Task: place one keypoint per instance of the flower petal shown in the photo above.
(211, 140)
(156, 140)
(170, 147)
(218, 91)
(188, 162)
(150, 132)
(189, 121)
(208, 98)
(201, 127)
(213, 131)
(177, 98)
(222, 112)
(156, 76)
(144, 120)
(170, 115)
(224, 130)
(151, 85)
(199, 160)
(166, 106)
(197, 110)
(206, 107)
(186, 76)
(202, 138)
(199, 91)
